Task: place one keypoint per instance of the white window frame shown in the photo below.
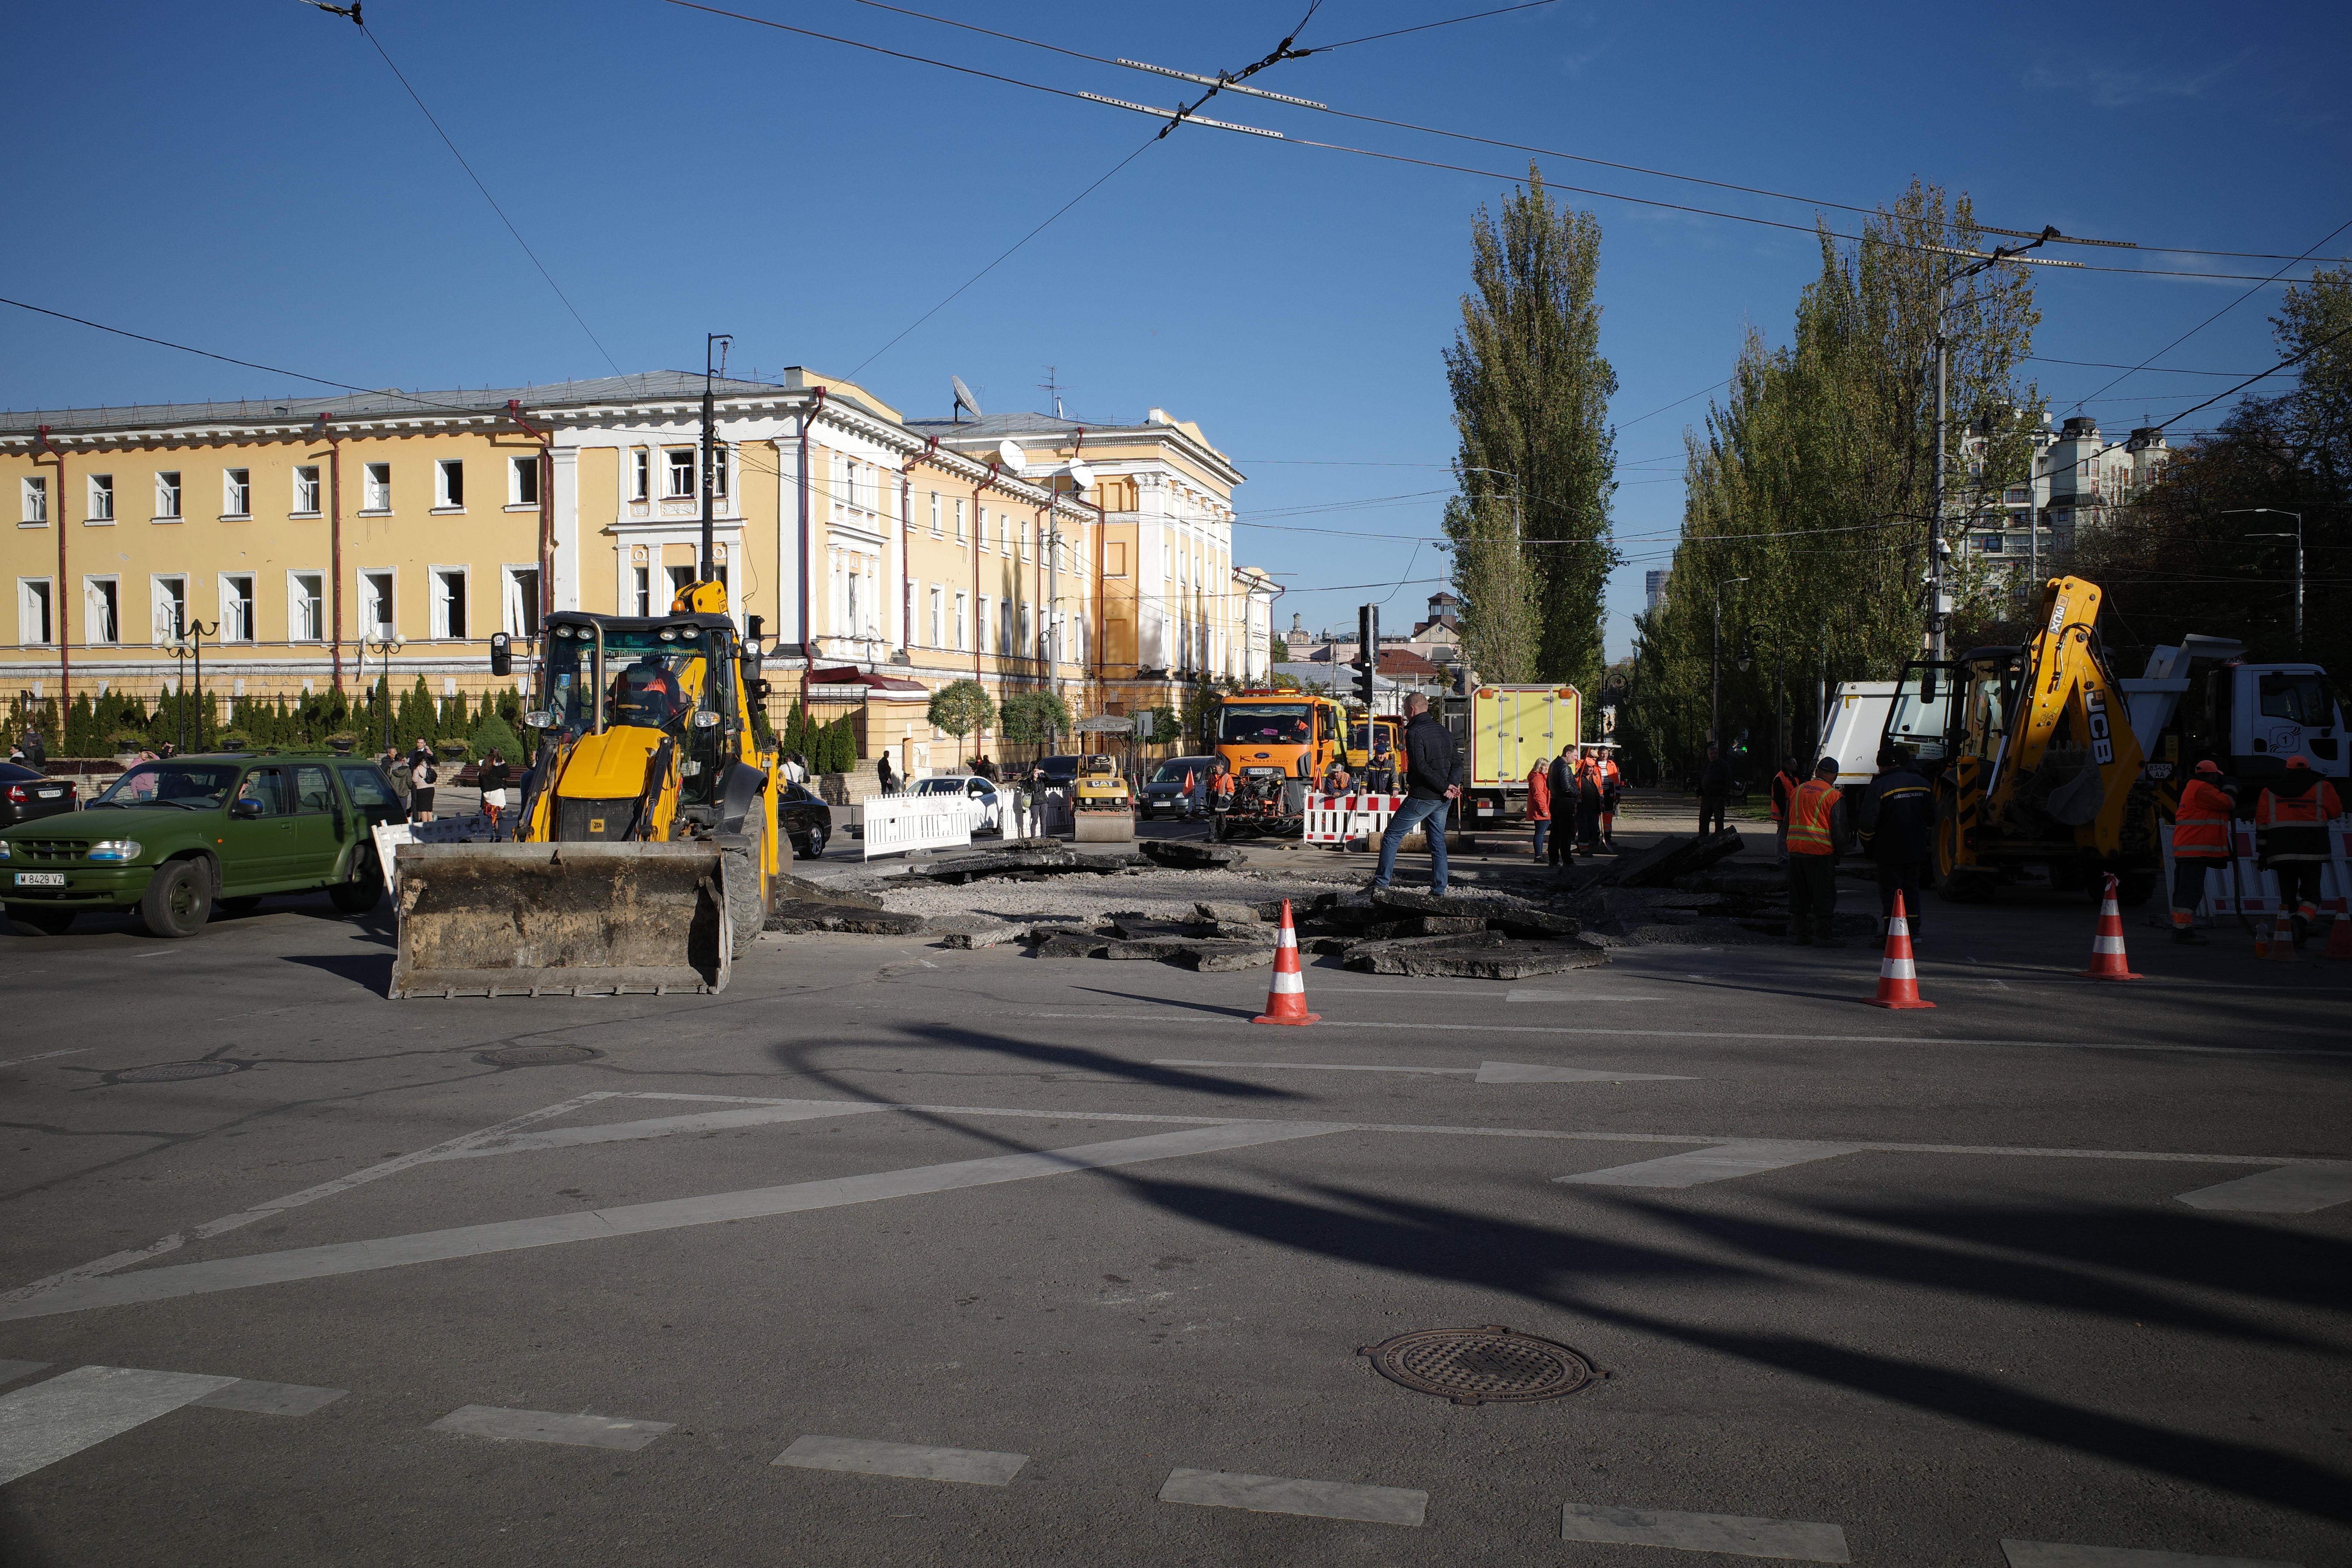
(101, 500)
(523, 473)
(641, 473)
(958, 520)
(437, 579)
(101, 596)
(306, 479)
(37, 601)
(306, 611)
(236, 492)
(34, 495)
(518, 597)
(938, 611)
(962, 623)
(229, 600)
(159, 598)
(448, 498)
(1025, 531)
(980, 625)
(642, 588)
(722, 461)
(375, 489)
(671, 470)
(935, 515)
(387, 606)
(167, 495)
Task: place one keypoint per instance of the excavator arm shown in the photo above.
(2070, 758)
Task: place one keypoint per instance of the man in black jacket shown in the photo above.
(1898, 830)
(1559, 848)
(1714, 789)
(1433, 782)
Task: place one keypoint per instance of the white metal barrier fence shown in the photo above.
(2243, 888)
(895, 824)
(1344, 818)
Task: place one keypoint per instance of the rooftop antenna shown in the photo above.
(1052, 387)
(963, 400)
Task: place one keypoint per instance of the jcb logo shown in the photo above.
(2102, 749)
(2057, 617)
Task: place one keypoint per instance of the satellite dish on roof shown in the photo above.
(1081, 476)
(963, 398)
(1010, 454)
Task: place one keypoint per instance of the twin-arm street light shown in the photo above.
(383, 643)
(2297, 537)
(190, 644)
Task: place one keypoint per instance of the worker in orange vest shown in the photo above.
(2201, 843)
(1820, 827)
(2291, 818)
(1612, 785)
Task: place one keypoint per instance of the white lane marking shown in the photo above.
(1181, 1016)
(1485, 1072)
(54, 1420)
(1790, 1539)
(659, 1126)
(272, 1398)
(179, 1239)
(10, 1370)
(45, 1056)
(1578, 996)
(2295, 1189)
(915, 1462)
(2058, 1554)
(549, 1426)
(637, 1219)
(1280, 1494)
(1721, 1163)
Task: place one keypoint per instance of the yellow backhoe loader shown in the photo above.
(647, 843)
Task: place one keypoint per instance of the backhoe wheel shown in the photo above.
(747, 904)
(178, 900)
(363, 888)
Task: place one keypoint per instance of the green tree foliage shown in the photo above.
(1531, 399)
(1034, 719)
(1203, 702)
(1813, 480)
(961, 708)
(494, 734)
(1278, 649)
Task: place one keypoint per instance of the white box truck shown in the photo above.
(1504, 731)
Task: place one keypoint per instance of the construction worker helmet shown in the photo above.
(2209, 766)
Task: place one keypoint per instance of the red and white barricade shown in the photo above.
(1344, 818)
(2243, 888)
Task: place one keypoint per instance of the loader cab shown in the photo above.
(1947, 709)
(669, 674)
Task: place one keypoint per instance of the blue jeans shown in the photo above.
(1408, 816)
(1543, 828)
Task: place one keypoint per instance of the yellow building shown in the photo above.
(319, 542)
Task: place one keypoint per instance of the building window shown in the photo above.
(237, 609)
(449, 603)
(522, 602)
(522, 481)
(959, 523)
(1989, 542)
(32, 624)
(644, 588)
(450, 485)
(681, 471)
(306, 490)
(719, 465)
(961, 632)
(1024, 542)
(856, 611)
(935, 515)
(305, 607)
(681, 578)
(167, 495)
(980, 627)
(1005, 643)
(37, 502)
(236, 492)
(376, 603)
(102, 498)
(641, 473)
(376, 489)
(936, 593)
(171, 618)
(102, 620)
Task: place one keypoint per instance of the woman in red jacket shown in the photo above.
(1539, 802)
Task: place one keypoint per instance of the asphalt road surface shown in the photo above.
(895, 1254)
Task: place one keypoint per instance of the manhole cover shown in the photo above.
(535, 1056)
(1477, 1366)
(172, 1072)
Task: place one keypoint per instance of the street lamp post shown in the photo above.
(178, 649)
(2297, 537)
(1715, 674)
(190, 644)
(384, 644)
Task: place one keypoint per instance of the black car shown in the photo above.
(1164, 791)
(1061, 773)
(28, 793)
(808, 821)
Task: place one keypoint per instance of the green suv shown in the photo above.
(173, 840)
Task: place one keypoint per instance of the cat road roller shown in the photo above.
(647, 841)
(1101, 804)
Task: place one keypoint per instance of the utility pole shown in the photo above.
(709, 571)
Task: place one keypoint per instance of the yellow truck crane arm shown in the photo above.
(2070, 756)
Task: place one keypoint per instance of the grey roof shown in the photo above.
(651, 386)
(996, 426)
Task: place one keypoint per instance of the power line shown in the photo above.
(2104, 364)
(1424, 27)
(370, 35)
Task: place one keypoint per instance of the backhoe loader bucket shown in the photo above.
(571, 919)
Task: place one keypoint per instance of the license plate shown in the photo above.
(40, 878)
(49, 793)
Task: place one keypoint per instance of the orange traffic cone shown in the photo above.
(1285, 999)
(2340, 937)
(2107, 959)
(1898, 981)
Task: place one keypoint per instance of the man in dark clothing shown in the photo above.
(2291, 818)
(1714, 789)
(1561, 846)
(1433, 782)
(1898, 831)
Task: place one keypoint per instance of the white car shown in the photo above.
(978, 796)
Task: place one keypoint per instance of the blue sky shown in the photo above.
(250, 178)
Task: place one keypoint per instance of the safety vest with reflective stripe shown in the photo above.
(2294, 828)
(2295, 811)
(1808, 818)
(2200, 829)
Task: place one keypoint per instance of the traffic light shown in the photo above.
(1367, 651)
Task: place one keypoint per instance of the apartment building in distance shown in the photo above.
(320, 542)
